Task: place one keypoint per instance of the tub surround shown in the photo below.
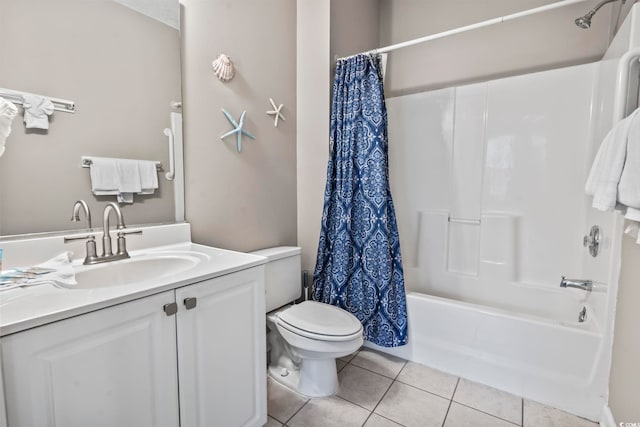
(491, 217)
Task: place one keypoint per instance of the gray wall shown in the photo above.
(247, 200)
(313, 69)
(325, 29)
(625, 373)
(354, 26)
(545, 41)
(122, 70)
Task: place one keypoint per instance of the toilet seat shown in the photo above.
(319, 321)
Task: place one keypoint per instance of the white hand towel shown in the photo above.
(629, 186)
(148, 176)
(123, 178)
(128, 176)
(8, 112)
(104, 175)
(37, 110)
(607, 167)
(633, 230)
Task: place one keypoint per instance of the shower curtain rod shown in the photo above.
(475, 26)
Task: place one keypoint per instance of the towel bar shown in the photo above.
(86, 162)
(465, 221)
(15, 96)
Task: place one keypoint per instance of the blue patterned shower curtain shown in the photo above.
(359, 267)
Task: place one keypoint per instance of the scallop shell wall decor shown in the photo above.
(223, 68)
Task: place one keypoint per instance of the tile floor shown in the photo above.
(379, 390)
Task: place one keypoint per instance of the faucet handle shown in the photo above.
(124, 233)
(88, 237)
(122, 243)
(92, 254)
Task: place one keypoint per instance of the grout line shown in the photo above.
(383, 396)
(365, 421)
(296, 413)
(429, 391)
(486, 413)
(401, 369)
(450, 402)
(378, 373)
(383, 375)
(353, 403)
(389, 419)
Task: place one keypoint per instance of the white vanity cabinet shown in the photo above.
(121, 366)
(222, 351)
(111, 367)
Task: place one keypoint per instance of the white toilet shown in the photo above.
(306, 338)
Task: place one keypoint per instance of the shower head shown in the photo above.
(585, 21)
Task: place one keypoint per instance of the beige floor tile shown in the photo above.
(490, 400)
(376, 420)
(282, 402)
(428, 379)
(348, 357)
(329, 412)
(539, 415)
(340, 364)
(410, 406)
(463, 416)
(362, 387)
(272, 422)
(382, 363)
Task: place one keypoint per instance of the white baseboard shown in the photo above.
(607, 419)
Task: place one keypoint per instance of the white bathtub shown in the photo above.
(552, 359)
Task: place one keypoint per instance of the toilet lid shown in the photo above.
(316, 318)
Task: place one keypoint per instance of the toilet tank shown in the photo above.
(282, 275)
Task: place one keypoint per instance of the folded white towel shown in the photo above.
(8, 112)
(123, 178)
(614, 179)
(629, 186)
(128, 175)
(606, 170)
(633, 230)
(104, 175)
(37, 110)
(148, 176)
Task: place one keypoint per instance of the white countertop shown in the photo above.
(28, 307)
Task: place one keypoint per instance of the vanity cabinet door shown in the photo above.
(222, 351)
(111, 367)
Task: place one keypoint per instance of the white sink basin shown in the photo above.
(142, 268)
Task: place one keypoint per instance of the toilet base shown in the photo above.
(315, 378)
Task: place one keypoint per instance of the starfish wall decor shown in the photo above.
(238, 129)
(276, 112)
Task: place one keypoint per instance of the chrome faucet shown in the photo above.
(91, 256)
(75, 216)
(107, 251)
(585, 285)
(106, 237)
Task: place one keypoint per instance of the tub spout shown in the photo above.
(585, 285)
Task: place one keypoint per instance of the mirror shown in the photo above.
(119, 61)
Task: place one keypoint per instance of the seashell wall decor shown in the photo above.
(223, 67)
